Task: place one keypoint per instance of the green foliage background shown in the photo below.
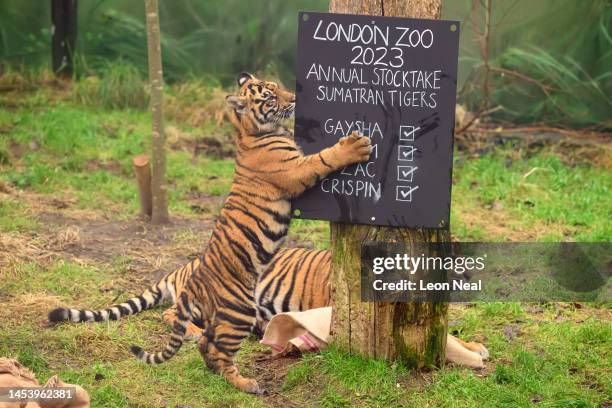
(563, 46)
(215, 38)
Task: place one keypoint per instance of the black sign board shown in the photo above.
(394, 80)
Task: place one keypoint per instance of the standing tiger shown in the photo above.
(270, 171)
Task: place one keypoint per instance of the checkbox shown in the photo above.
(407, 133)
(404, 193)
(405, 153)
(405, 173)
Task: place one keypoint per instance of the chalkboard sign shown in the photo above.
(394, 80)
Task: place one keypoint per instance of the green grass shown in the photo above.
(82, 353)
(87, 152)
(59, 279)
(13, 217)
(58, 149)
(542, 188)
(552, 364)
(314, 231)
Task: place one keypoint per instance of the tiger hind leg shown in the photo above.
(193, 332)
(475, 347)
(219, 345)
(465, 354)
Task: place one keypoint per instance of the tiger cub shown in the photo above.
(270, 171)
(297, 279)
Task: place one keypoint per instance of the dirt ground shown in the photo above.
(91, 238)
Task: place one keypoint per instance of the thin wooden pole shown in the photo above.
(156, 78)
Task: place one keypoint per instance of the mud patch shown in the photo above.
(498, 223)
(271, 373)
(111, 166)
(211, 146)
(219, 145)
(204, 203)
(147, 249)
(587, 149)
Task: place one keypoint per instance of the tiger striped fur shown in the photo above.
(305, 271)
(270, 171)
(297, 279)
(161, 291)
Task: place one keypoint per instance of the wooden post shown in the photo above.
(63, 35)
(156, 78)
(142, 168)
(414, 333)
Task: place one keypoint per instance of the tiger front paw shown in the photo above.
(355, 148)
(248, 385)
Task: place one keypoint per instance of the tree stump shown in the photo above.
(142, 169)
(413, 333)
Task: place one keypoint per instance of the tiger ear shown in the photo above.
(237, 103)
(243, 77)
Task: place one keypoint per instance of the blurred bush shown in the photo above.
(570, 70)
(196, 101)
(119, 85)
(215, 38)
(562, 92)
(570, 82)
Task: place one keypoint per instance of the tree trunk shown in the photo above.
(63, 35)
(158, 182)
(142, 168)
(414, 333)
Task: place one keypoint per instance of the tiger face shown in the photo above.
(262, 104)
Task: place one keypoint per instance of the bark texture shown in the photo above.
(414, 333)
(158, 179)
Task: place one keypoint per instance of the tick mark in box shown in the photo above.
(405, 153)
(404, 193)
(407, 133)
(405, 173)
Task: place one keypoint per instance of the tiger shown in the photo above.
(270, 171)
(298, 279)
